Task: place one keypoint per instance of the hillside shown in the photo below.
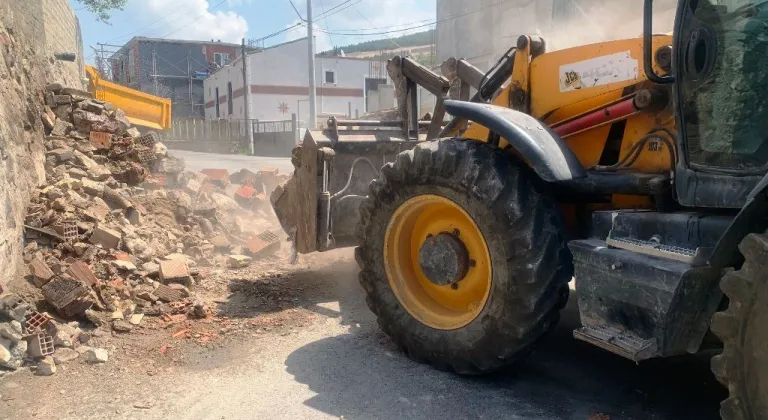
(418, 46)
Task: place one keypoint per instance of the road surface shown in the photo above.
(197, 161)
(341, 366)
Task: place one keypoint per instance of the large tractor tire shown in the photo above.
(743, 327)
(463, 256)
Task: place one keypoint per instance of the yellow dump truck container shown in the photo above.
(141, 108)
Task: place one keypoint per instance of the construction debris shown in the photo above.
(118, 233)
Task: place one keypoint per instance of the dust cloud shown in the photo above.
(608, 21)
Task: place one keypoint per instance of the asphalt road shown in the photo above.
(197, 161)
(341, 366)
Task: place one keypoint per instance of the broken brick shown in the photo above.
(63, 291)
(168, 294)
(107, 238)
(40, 345)
(244, 177)
(80, 271)
(41, 273)
(70, 231)
(269, 171)
(174, 272)
(78, 307)
(35, 322)
(101, 140)
(263, 244)
(246, 192)
(219, 177)
(220, 241)
(148, 140)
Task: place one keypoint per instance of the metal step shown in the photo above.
(624, 343)
(693, 257)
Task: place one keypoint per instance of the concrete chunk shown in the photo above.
(61, 128)
(107, 238)
(62, 155)
(46, 367)
(64, 355)
(96, 355)
(239, 261)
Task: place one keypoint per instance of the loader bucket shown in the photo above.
(318, 206)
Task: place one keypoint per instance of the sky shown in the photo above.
(231, 20)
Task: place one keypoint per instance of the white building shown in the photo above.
(279, 85)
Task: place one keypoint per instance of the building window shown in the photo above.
(230, 105)
(222, 59)
(330, 76)
(217, 103)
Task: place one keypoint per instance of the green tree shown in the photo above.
(103, 8)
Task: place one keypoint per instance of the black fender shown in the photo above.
(753, 218)
(539, 146)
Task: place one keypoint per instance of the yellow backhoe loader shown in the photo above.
(636, 166)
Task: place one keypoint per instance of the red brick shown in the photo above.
(156, 181)
(174, 271)
(63, 291)
(147, 140)
(168, 294)
(219, 176)
(41, 273)
(245, 192)
(263, 244)
(269, 171)
(101, 140)
(35, 322)
(80, 271)
(77, 307)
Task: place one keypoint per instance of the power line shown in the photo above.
(297, 11)
(369, 21)
(430, 23)
(322, 7)
(175, 10)
(328, 13)
(194, 20)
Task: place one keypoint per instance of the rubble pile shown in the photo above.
(120, 231)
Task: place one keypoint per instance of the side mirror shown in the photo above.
(648, 47)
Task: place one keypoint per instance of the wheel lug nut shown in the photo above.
(457, 232)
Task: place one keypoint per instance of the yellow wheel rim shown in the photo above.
(442, 307)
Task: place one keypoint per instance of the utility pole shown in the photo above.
(312, 123)
(246, 98)
(154, 67)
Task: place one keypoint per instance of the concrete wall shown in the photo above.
(279, 85)
(31, 31)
